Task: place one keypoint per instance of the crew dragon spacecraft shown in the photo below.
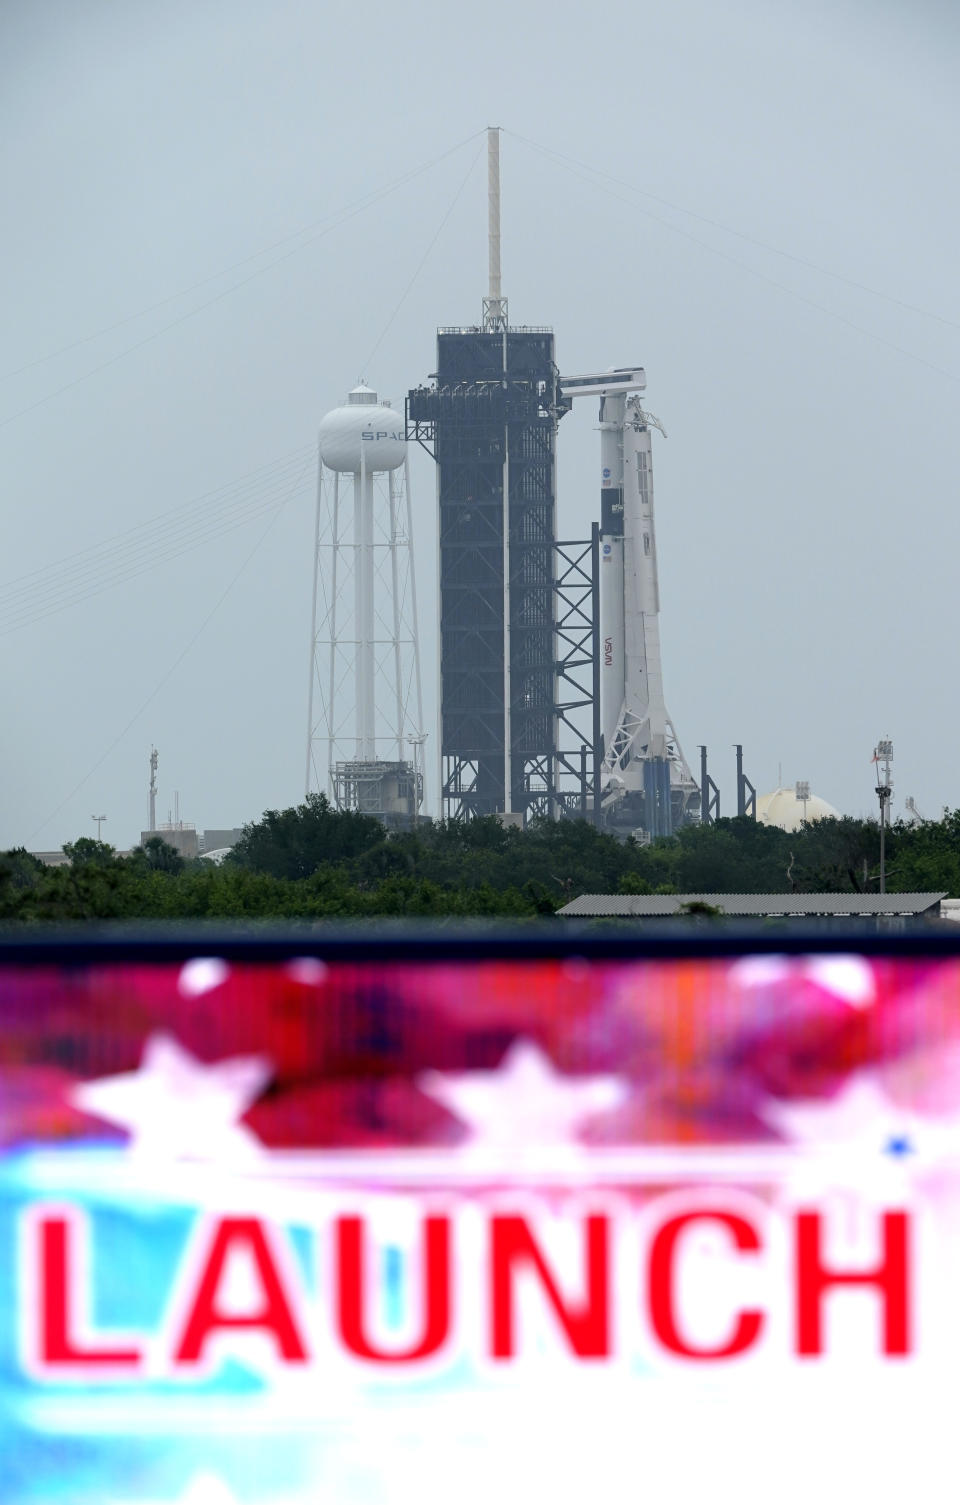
(645, 779)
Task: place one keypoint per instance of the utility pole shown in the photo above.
(153, 789)
(802, 792)
(883, 757)
(99, 820)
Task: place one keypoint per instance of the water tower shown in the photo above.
(365, 718)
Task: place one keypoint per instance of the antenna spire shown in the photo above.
(494, 305)
(153, 789)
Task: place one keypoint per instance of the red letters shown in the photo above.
(497, 1273)
(58, 1343)
(586, 1327)
(274, 1315)
(660, 1290)
(436, 1292)
(890, 1278)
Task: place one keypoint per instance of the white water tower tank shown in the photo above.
(362, 427)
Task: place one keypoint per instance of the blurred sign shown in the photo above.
(365, 1232)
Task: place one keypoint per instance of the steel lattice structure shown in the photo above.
(490, 420)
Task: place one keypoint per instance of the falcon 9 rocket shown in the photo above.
(646, 781)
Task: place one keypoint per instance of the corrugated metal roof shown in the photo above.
(652, 906)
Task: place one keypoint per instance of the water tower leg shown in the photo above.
(332, 729)
(363, 538)
(313, 629)
(397, 623)
(415, 620)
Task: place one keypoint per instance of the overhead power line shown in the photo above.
(329, 225)
(92, 570)
(753, 240)
(589, 175)
(423, 260)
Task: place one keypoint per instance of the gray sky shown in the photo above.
(806, 515)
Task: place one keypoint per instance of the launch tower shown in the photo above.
(490, 415)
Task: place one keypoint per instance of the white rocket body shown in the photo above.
(636, 724)
(642, 754)
(612, 668)
(643, 678)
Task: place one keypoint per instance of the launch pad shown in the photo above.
(551, 686)
(544, 643)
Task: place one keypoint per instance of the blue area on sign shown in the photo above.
(897, 1145)
(393, 1285)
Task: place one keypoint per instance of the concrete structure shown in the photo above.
(182, 835)
(52, 859)
(214, 838)
(60, 858)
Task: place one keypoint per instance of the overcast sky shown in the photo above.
(779, 251)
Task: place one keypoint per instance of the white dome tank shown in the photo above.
(363, 426)
(782, 808)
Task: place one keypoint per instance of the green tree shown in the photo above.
(19, 869)
(294, 843)
(156, 856)
(87, 852)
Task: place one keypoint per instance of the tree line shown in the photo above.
(312, 862)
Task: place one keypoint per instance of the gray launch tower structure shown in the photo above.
(490, 417)
(551, 684)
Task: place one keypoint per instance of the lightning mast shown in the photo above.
(489, 419)
(494, 305)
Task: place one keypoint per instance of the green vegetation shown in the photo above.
(316, 863)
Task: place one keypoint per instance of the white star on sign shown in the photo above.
(860, 1118)
(176, 1107)
(525, 1102)
(865, 1141)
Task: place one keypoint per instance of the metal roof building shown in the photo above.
(757, 906)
